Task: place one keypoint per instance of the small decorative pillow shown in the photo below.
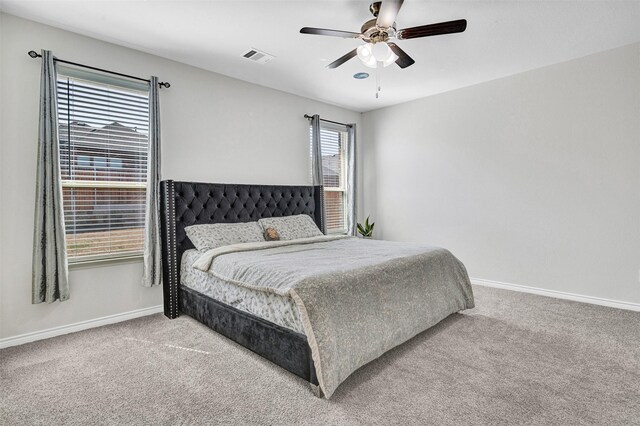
(271, 234)
(206, 237)
(292, 227)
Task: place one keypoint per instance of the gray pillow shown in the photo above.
(206, 237)
(292, 227)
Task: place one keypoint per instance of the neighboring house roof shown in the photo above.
(84, 136)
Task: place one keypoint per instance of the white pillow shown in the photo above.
(206, 237)
(292, 227)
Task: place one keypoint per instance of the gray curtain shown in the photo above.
(152, 274)
(316, 152)
(50, 276)
(317, 176)
(351, 180)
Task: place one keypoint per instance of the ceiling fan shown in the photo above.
(376, 33)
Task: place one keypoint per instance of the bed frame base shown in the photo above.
(279, 345)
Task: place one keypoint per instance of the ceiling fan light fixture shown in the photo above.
(372, 55)
(365, 53)
(390, 59)
(381, 51)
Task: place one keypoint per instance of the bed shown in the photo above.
(319, 307)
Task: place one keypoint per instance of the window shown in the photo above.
(103, 129)
(333, 143)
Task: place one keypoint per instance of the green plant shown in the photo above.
(367, 229)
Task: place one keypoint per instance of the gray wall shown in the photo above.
(215, 129)
(532, 179)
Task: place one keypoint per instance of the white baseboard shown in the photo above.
(78, 326)
(558, 294)
(111, 319)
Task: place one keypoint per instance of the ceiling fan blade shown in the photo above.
(388, 12)
(343, 59)
(332, 33)
(403, 60)
(449, 27)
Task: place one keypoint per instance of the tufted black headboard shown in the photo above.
(184, 204)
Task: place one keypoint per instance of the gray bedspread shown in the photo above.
(357, 298)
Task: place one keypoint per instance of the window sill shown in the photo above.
(92, 261)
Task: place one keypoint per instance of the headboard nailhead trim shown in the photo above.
(322, 228)
(170, 247)
(173, 252)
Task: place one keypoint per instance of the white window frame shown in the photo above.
(122, 83)
(342, 130)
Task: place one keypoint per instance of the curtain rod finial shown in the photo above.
(33, 54)
(164, 84)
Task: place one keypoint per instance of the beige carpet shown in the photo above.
(515, 359)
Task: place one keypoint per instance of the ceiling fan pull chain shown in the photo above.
(380, 65)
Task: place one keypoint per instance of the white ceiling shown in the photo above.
(502, 38)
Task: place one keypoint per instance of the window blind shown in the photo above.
(332, 145)
(103, 130)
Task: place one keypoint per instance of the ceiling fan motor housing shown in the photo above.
(374, 34)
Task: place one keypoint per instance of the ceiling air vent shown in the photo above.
(258, 56)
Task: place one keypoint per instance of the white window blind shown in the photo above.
(103, 131)
(332, 143)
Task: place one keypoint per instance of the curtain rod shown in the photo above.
(35, 54)
(309, 117)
